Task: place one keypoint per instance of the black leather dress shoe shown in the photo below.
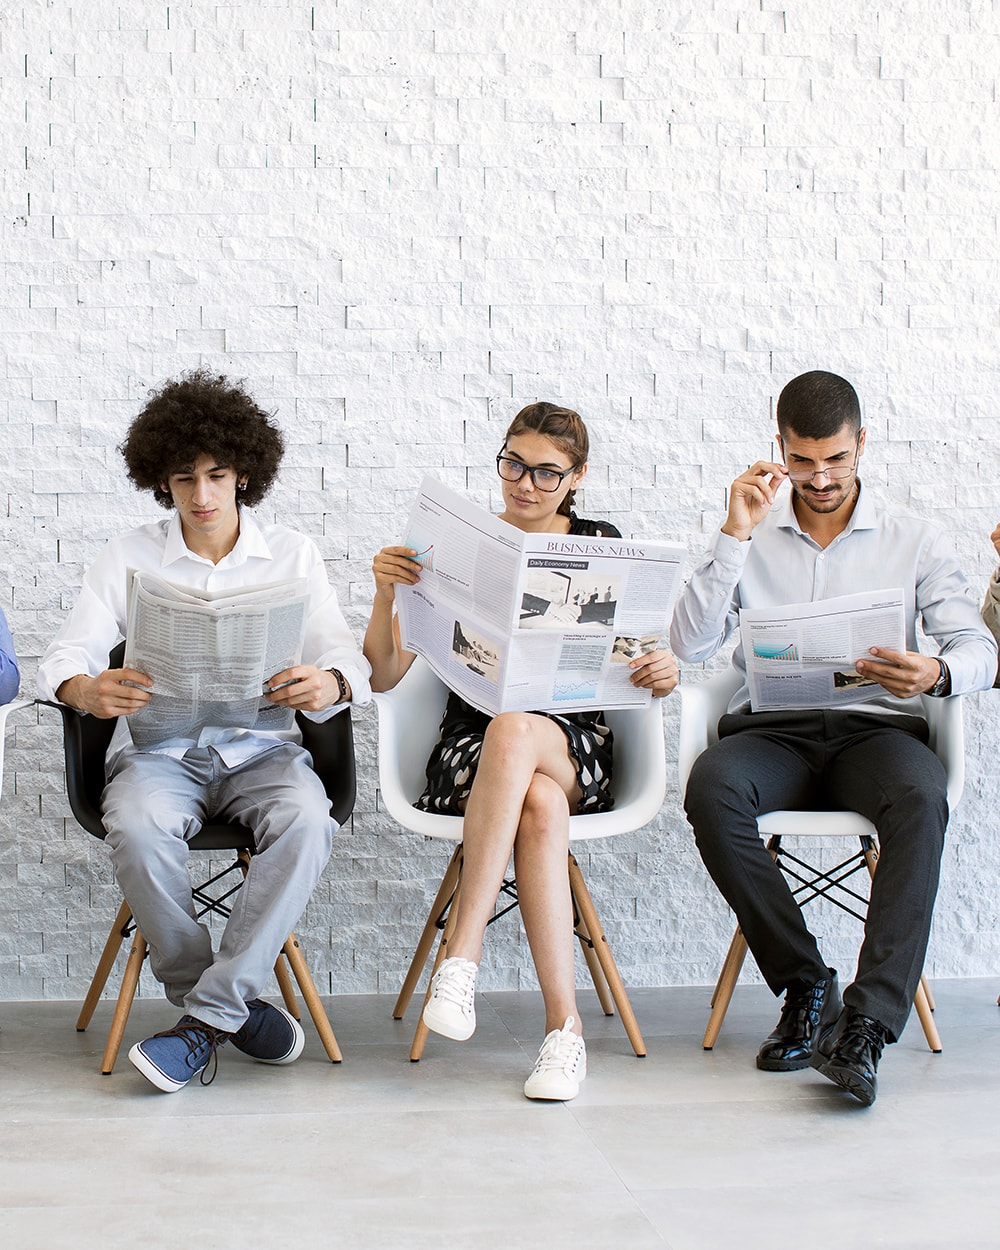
(805, 1014)
(848, 1053)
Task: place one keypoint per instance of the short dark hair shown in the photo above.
(202, 414)
(818, 405)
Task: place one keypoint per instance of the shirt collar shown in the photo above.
(862, 518)
(251, 543)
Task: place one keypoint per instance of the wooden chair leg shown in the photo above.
(585, 906)
(422, 1031)
(923, 1010)
(593, 963)
(927, 990)
(449, 883)
(130, 981)
(284, 979)
(724, 988)
(737, 951)
(310, 995)
(732, 966)
(107, 961)
(594, 966)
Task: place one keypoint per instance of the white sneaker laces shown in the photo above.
(455, 982)
(561, 1049)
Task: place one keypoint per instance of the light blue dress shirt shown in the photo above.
(881, 548)
(10, 678)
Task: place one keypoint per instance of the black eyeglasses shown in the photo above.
(835, 472)
(512, 470)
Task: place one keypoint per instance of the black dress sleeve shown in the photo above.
(592, 529)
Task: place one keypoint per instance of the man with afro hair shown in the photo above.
(208, 452)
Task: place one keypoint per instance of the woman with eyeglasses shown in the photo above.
(516, 777)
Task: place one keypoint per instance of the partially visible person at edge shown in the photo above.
(207, 452)
(828, 536)
(991, 604)
(517, 777)
(10, 677)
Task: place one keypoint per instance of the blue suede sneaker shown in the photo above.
(269, 1034)
(170, 1059)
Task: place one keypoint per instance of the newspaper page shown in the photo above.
(803, 655)
(210, 654)
(518, 622)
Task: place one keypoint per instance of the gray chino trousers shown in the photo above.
(879, 766)
(154, 804)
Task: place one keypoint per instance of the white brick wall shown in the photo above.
(400, 221)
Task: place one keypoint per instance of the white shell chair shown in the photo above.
(408, 721)
(702, 705)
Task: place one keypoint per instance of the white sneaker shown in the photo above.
(561, 1066)
(451, 1008)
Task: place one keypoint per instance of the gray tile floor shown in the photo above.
(682, 1149)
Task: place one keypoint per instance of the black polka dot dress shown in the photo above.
(451, 768)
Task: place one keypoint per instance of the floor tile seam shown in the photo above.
(616, 1173)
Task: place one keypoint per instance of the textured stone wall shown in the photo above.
(400, 222)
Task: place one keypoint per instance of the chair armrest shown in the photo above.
(947, 741)
(15, 705)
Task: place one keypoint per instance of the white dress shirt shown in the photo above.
(880, 549)
(263, 554)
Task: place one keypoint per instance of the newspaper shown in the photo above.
(518, 622)
(803, 655)
(210, 655)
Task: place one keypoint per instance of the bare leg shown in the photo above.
(517, 748)
(540, 863)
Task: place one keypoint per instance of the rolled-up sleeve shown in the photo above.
(94, 626)
(707, 609)
(950, 616)
(329, 642)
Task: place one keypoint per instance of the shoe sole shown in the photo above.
(566, 1093)
(864, 1091)
(156, 1076)
(782, 1065)
(444, 1027)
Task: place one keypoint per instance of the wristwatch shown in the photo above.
(341, 684)
(942, 686)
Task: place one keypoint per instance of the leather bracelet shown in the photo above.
(942, 687)
(341, 685)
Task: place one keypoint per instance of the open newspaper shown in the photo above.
(517, 622)
(803, 655)
(210, 654)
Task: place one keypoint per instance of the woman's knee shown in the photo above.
(544, 814)
(507, 734)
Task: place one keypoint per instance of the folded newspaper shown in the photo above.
(803, 655)
(516, 621)
(210, 654)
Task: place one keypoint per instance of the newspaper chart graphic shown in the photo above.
(789, 653)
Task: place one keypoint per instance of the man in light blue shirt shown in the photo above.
(10, 678)
(825, 537)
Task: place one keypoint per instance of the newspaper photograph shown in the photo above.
(803, 655)
(514, 621)
(210, 655)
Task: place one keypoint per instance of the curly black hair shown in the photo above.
(202, 414)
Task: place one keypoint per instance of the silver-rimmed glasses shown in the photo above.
(835, 472)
